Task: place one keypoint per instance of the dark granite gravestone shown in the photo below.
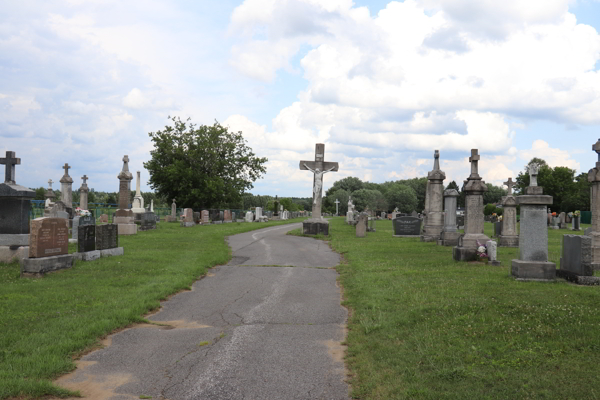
(147, 221)
(576, 260)
(498, 228)
(80, 221)
(107, 237)
(460, 221)
(407, 226)
(86, 238)
(575, 221)
(15, 201)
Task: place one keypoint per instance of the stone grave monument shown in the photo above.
(492, 252)
(450, 233)
(509, 236)
(124, 217)
(406, 226)
(276, 207)
(49, 195)
(205, 217)
(15, 205)
(576, 260)
(361, 225)
(227, 216)
(248, 218)
(138, 201)
(435, 200)
(259, 214)
(86, 243)
(317, 225)
(66, 191)
(575, 225)
(173, 216)
(187, 219)
(80, 221)
(147, 221)
(533, 261)
(594, 179)
(107, 240)
(474, 188)
(337, 209)
(48, 247)
(83, 194)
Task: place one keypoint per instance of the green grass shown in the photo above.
(46, 323)
(423, 326)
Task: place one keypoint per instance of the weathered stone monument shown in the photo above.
(205, 217)
(66, 190)
(435, 199)
(474, 188)
(173, 216)
(533, 261)
(227, 216)
(48, 248)
(259, 214)
(138, 201)
(492, 252)
(83, 193)
(362, 225)
(15, 204)
(576, 260)
(248, 218)
(276, 207)
(147, 221)
(509, 236)
(450, 233)
(123, 216)
(49, 195)
(594, 179)
(187, 218)
(317, 225)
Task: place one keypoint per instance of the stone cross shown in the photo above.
(337, 202)
(319, 167)
(473, 160)
(50, 182)
(66, 167)
(510, 184)
(125, 163)
(436, 160)
(596, 148)
(85, 178)
(10, 161)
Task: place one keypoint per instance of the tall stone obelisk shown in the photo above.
(435, 199)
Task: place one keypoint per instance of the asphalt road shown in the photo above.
(268, 325)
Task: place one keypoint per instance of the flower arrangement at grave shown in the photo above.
(576, 213)
(500, 218)
(82, 213)
(554, 214)
(481, 251)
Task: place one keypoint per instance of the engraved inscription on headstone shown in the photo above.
(407, 226)
(49, 237)
(107, 237)
(86, 238)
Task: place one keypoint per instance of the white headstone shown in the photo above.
(249, 216)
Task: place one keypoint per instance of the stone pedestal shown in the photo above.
(434, 223)
(41, 266)
(124, 217)
(474, 188)
(316, 226)
(362, 225)
(533, 240)
(509, 236)
(450, 233)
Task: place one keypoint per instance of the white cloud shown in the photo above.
(554, 157)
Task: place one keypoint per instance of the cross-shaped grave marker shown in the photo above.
(10, 161)
(66, 167)
(596, 148)
(319, 167)
(510, 184)
(436, 160)
(473, 160)
(50, 182)
(337, 202)
(85, 178)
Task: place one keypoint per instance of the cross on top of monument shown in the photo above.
(319, 167)
(596, 148)
(10, 161)
(85, 178)
(50, 182)
(337, 201)
(436, 160)
(66, 167)
(510, 184)
(473, 160)
(173, 200)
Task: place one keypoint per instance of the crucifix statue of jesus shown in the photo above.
(319, 167)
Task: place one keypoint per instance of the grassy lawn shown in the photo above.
(423, 326)
(46, 323)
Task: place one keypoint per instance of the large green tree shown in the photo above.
(403, 197)
(200, 165)
(368, 198)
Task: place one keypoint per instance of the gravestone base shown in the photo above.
(115, 251)
(544, 271)
(73, 240)
(227, 222)
(10, 253)
(578, 279)
(464, 253)
(428, 238)
(88, 255)
(127, 229)
(508, 241)
(9, 239)
(170, 218)
(449, 238)
(43, 265)
(315, 227)
(187, 224)
(495, 263)
(576, 229)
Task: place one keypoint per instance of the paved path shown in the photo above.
(247, 331)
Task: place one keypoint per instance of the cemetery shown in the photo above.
(448, 308)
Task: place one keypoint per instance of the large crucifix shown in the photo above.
(319, 167)
(10, 161)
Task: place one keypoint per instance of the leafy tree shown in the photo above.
(349, 184)
(403, 197)
(342, 196)
(579, 197)
(202, 166)
(419, 185)
(493, 194)
(367, 198)
(39, 193)
(460, 201)
(522, 180)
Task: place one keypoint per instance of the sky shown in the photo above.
(382, 84)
